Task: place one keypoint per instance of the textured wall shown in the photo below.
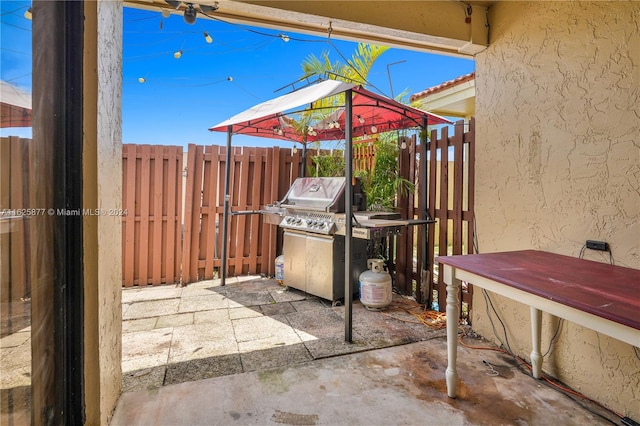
(110, 197)
(102, 180)
(558, 162)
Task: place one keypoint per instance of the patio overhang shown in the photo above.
(446, 27)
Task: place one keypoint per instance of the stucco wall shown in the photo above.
(110, 197)
(558, 162)
(102, 180)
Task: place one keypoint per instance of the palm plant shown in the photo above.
(381, 183)
(355, 70)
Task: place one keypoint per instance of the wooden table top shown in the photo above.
(608, 291)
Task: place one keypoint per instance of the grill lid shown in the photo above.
(316, 193)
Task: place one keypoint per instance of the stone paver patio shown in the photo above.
(176, 334)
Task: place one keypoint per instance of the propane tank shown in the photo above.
(280, 269)
(375, 286)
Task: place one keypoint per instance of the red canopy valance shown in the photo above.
(371, 114)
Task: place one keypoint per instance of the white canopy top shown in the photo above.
(287, 102)
(13, 95)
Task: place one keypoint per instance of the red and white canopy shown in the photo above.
(371, 113)
(16, 106)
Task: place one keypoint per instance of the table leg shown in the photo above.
(536, 356)
(453, 291)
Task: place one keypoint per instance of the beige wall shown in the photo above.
(558, 162)
(102, 180)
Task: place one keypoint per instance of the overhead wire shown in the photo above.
(245, 28)
(15, 51)
(6, 80)
(14, 10)
(162, 41)
(17, 26)
(261, 45)
(211, 83)
(245, 90)
(145, 18)
(348, 63)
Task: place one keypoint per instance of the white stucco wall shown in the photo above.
(558, 162)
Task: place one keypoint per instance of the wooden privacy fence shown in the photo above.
(451, 172)
(363, 155)
(152, 225)
(258, 176)
(160, 245)
(449, 179)
(14, 220)
(163, 245)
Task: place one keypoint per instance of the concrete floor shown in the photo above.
(176, 334)
(254, 353)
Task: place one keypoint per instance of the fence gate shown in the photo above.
(258, 176)
(449, 179)
(450, 202)
(152, 226)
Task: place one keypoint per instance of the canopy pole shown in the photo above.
(225, 213)
(303, 173)
(423, 206)
(348, 204)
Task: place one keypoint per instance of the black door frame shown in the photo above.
(57, 43)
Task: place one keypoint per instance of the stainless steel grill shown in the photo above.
(317, 205)
(313, 248)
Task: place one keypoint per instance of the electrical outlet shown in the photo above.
(597, 245)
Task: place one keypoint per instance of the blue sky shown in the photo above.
(181, 98)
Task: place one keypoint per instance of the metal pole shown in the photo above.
(423, 202)
(304, 160)
(225, 213)
(348, 201)
(389, 74)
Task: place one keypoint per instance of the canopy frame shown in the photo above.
(421, 121)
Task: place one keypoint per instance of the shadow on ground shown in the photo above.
(173, 335)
